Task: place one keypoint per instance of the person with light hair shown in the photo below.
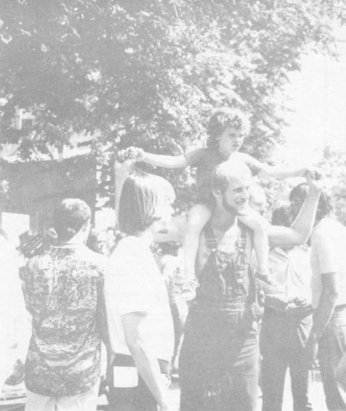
(327, 340)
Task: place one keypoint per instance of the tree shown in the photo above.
(333, 166)
(149, 72)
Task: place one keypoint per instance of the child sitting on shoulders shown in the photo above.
(227, 130)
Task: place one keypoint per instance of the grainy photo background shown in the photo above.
(82, 79)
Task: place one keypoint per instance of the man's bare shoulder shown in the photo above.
(174, 231)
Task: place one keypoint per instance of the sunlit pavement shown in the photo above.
(318, 400)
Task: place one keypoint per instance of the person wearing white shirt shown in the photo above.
(286, 325)
(328, 261)
(139, 318)
(12, 307)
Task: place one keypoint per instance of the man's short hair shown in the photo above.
(139, 199)
(227, 171)
(223, 118)
(69, 217)
(301, 191)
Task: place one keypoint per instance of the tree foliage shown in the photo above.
(149, 72)
(333, 166)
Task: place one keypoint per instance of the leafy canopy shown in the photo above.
(148, 73)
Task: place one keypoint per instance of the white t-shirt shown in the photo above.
(134, 283)
(292, 270)
(13, 314)
(328, 255)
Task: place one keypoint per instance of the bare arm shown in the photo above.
(323, 246)
(281, 172)
(322, 314)
(327, 303)
(158, 160)
(301, 228)
(145, 360)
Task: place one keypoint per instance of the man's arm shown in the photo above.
(327, 303)
(323, 247)
(323, 313)
(145, 360)
(301, 228)
(281, 172)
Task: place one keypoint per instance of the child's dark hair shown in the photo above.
(222, 118)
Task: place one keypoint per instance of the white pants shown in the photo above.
(87, 401)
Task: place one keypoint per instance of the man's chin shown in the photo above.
(244, 210)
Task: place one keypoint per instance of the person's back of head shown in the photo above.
(282, 216)
(223, 118)
(298, 195)
(139, 200)
(97, 241)
(71, 216)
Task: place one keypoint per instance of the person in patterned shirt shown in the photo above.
(63, 291)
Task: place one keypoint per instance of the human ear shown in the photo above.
(216, 193)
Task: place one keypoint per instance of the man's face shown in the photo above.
(230, 141)
(100, 243)
(236, 198)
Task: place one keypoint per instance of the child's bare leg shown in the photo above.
(198, 217)
(259, 226)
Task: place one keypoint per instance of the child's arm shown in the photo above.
(281, 172)
(264, 170)
(158, 160)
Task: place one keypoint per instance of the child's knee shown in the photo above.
(256, 223)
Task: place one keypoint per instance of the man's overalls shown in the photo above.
(219, 358)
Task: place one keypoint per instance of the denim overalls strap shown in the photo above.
(226, 277)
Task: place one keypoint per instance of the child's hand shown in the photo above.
(121, 156)
(131, 153)
(138, 153)
(135, 153)
(123, 167)
(313, 172)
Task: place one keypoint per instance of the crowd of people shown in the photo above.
(226, 299)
